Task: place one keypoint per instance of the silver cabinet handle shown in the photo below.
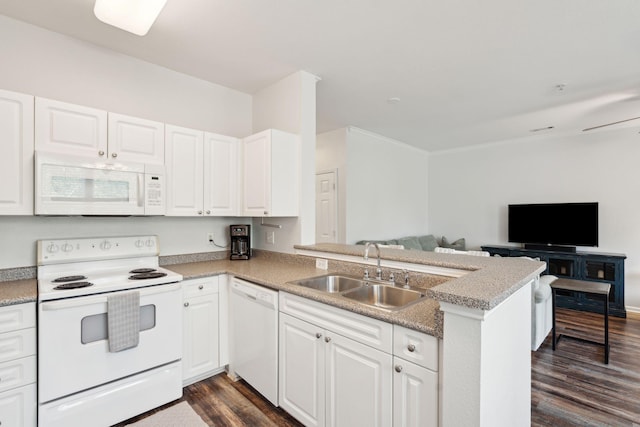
(199, 212)
(411, 348)
(266, 212)
(201, 287)
(318, 335)
(398, 368)
(100, 153)
(186, 304)
(114, 155)
(327, 339)
(208, 212)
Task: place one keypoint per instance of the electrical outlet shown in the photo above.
(322, 263)
(210, 238)
(271, 237)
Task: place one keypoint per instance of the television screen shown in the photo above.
(574, 224)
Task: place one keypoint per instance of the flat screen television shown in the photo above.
(556, 226)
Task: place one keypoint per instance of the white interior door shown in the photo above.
(326, 208)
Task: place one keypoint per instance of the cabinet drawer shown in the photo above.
(14, 345)
(16, 373)
(197, 287)
(416, 347)
(19, 316)
(372, 332)
(18, 407)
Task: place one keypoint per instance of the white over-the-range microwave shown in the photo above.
(73, 185)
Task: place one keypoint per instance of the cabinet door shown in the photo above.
(200, 337)
(136, 140)
(18, 407)
(302, 370)
(220, 175)
(358, 384)
(415, 395)
(257, 174)
(70, 129)
(16, 153)
(183, 150)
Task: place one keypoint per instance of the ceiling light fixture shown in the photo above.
(134, 16)
(393, 100)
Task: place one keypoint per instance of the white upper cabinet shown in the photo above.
(16, 153)
(183, 155)
(78, 130)
(271, 174)
(70, 129)
(220, 174)
(202, 171)
(136, 140)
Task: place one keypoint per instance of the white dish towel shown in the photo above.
(123, 319)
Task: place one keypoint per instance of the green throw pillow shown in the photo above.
(428, 242)
(410, 243)
(458, 245)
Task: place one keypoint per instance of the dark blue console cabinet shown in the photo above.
(590, 266)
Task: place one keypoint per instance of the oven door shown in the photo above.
(73, 352)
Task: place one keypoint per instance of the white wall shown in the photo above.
(290, 105)
(386, 188)
(47, 64)
(176, 235)
(382, 184)
(469, 189)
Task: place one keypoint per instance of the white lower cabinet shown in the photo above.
(201, 352)
(330, 378)
(415, 395)
(18, 365)
(415, 380)
(338, 368)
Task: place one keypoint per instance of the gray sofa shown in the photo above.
(426, 242)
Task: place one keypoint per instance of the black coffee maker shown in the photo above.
(240, 241)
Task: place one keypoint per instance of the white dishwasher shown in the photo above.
(254, 348)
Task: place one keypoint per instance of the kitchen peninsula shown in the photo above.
(485, 329)
(477, 307)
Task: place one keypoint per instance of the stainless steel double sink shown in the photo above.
(366, 291)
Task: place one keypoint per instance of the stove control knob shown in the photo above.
(105, 246)
(67, 247)
(52, 248)
(150, 243)
(139, 243)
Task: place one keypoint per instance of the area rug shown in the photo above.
(178, 415)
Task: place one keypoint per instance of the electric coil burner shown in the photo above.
(145, 276)
(93, 295)
(142, 270)
(68, 279)
(73, 285)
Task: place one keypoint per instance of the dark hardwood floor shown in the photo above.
(221, 402)
(573, 387)
(569, 387)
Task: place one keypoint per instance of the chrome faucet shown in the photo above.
(406, 279)
(366, 257)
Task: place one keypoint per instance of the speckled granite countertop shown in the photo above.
(275, 271)
(18, 291)
(490, 280)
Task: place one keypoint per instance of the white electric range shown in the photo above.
(82, 380)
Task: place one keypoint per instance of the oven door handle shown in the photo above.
(78, 302)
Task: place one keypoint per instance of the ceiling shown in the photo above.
(466, 72)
